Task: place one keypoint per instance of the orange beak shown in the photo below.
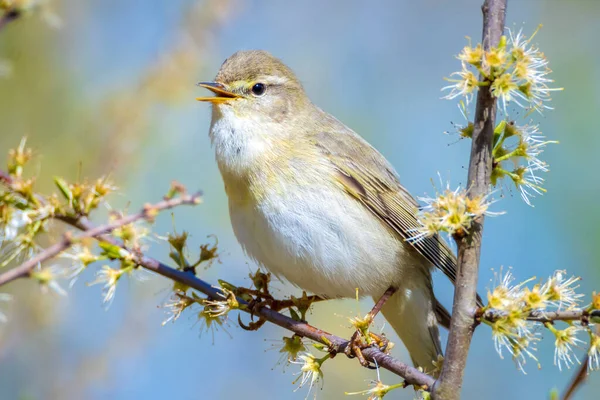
(222, 95)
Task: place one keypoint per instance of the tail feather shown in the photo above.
(443, 315)
(412, 315)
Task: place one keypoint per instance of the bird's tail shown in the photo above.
(411, 312)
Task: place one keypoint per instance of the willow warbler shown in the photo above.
(314, 203)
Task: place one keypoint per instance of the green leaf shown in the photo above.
(227, 285)
(294, 315)
(498, 131)
(63, 187)
(110, 250)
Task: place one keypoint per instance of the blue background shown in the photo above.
(114, 89)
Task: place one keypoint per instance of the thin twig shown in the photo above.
(148, 212)
(580, 315)
(449, 384)
(580, 375)
(578, 379)
(6, 178)
(410, 374)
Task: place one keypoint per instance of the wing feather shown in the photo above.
(375, 184)
(377, 187)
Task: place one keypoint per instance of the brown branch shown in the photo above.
(148, 212)
(6, 179)
(578, 379)
(580, 375)
(411, 375)
(9, 16)
(449, 383)
(570, 315)
(580, 315)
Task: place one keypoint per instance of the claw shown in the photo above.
(354, 349)
(252, 326)
(254, 306)
(357, 345)
(381, 341)
(244, 326)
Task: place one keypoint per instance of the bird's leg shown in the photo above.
(266, 300)
(254, 306)
(356, 344)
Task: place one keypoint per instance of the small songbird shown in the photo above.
(314, 203)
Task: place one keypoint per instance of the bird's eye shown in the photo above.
(259, 89)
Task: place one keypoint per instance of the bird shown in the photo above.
(315, 204)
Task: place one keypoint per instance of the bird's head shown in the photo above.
(255, 85)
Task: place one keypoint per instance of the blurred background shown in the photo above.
(108, 87)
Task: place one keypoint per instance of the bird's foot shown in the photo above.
(259, 299)
(254, 306)
(363, 340)
(382, 342)
(355, 348)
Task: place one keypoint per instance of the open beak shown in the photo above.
(222, 95)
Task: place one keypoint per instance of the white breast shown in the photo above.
(311, 233)
(322, 241)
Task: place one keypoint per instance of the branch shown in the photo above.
(449, 383)
(411, 375)
(6, 179)
(9, 16)
(579, 377)
(147, 213)
(580, 315)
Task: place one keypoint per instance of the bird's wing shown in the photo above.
(370, 179)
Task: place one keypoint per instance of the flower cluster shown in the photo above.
(176, 305)
(83, 197)
(79, 257)
(213, 313)
(516, 151)
(219, 308)
(211, 323)
(289, 349)
(48, 278)
(180, 252)
(378, 389)
(515, 71)
(310, 371)
(564, 343)
(18, 229)
(594, 351)
(451, 211)
(509, 310)
(109, 277)
(25, 214)
(133, 235)
(292, 347)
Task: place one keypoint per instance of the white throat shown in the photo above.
(240, 143)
